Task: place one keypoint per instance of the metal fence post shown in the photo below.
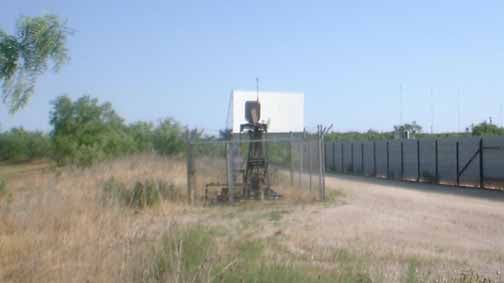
(352, 157)
(229, 170)
(300, 173)
(301, 163)
(342, 157)
(436, 159)
(418, 161)
(322, 140)
(291, 161)
(374, 158)
(190, 168)
(312, 155)
(481, 165)
(362, 158)
(457, 145)
(333, 165)
(388, 159)
(321, 163)
(402, 160)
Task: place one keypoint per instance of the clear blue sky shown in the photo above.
(180, 59)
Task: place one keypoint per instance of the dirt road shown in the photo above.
(449, 228)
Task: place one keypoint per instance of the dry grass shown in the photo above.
(56, 227)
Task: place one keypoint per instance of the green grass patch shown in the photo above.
(276, 215)
(411, 274)
(192, 255)
(183, 256)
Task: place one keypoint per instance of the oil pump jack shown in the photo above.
(256, 182)
(255, 176)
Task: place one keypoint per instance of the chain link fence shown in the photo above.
(294, 167)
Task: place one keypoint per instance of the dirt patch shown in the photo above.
(449, 233)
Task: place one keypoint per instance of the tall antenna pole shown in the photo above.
(501, 117)
(400, 104)
(459, 97)
(257, 87)
(432, 111)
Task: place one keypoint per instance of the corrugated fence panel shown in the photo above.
(447, 161)
(357, 158)
(329, 156)
(468, 148)
(361, 158)
(428, 161)
(381, 159)
(347, 157)
(368, 159)
(395, 160)
(410, 160)
(493, 162)
(338, 157)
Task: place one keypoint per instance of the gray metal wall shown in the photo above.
(450, 161)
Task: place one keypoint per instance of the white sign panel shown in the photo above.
(283, 112)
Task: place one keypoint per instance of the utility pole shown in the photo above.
(400, 105)
(432, 111)
(257, 88)
(501, 117)
(459, 102)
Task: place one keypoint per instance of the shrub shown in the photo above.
(18, 144)
(85, 132)
(144, 195)
(168, 191)
(148, 193)
(114, 192)
(3, 189)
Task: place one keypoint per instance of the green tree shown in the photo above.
(37, 42)
(85, 131)
(487, 129)
(169, 137)
(142, 134)
(411, 128)
(21, 145)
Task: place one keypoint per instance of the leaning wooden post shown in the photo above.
(190, 168)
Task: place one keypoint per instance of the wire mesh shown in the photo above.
(294, 165)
